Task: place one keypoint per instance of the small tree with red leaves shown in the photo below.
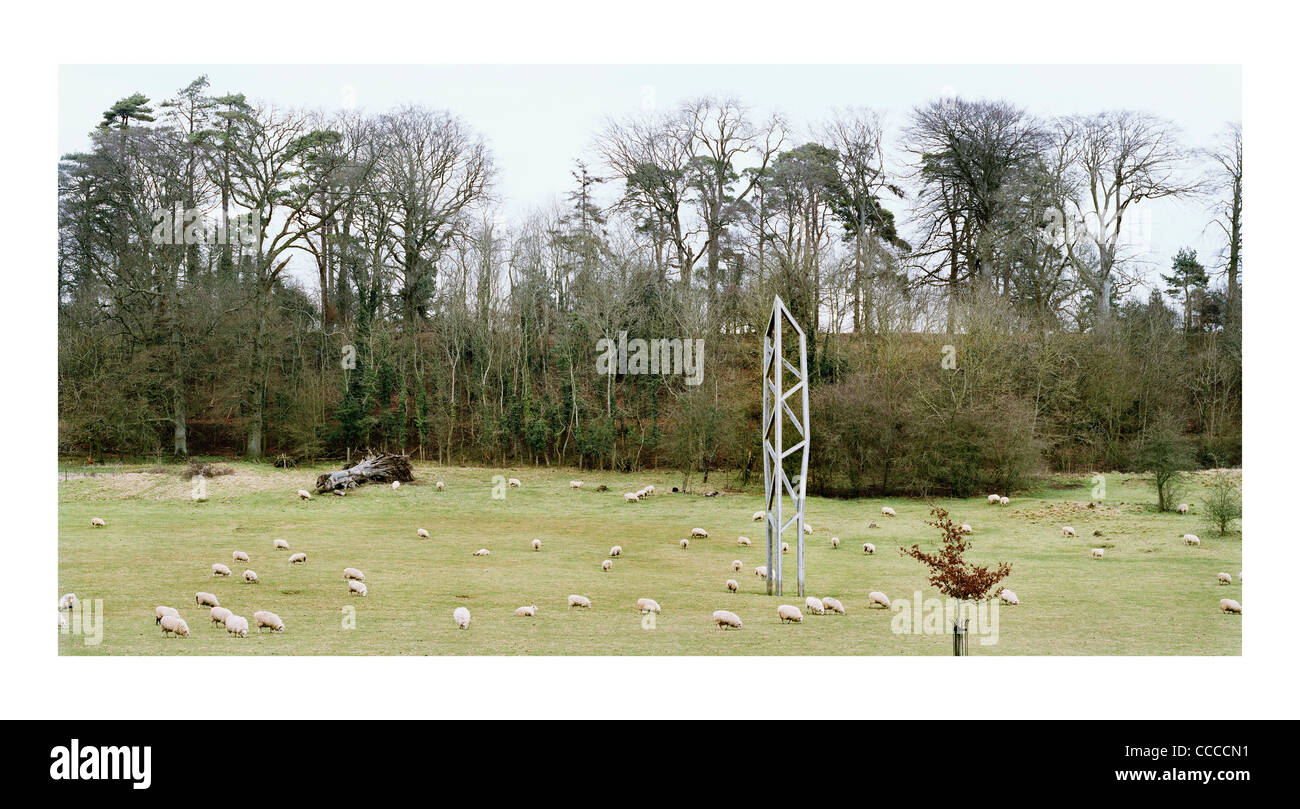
(949, 570)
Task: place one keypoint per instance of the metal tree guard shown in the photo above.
(776, 484)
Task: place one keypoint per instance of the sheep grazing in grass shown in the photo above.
(358, 587)
(1183, 508)
(1008, 596)
(353, 573)
(647, 605)
(685, 543)
(580, 601)
(868, 548)
(303, 494)
(785, 547)
(575, 484)
(527, 611)
(218, 615)
(160, 612)
(1224, 578)
(536, 544)
(439, 485)
(460, 616)
(68, 601)
(1191, 539)
(220, 570)
(298, 558)
(482, 552)
(174, 625)
(237, 625)
(281, 545)
(607, 565)
(631, 497)
(994, 499)
(1004, 500)
(788, 613)
(1229, 605)
(727, 620)
(96, 522)
(206, 600)
(835, 542)
(744, 542)
(966, 529)
(239, 556)
(397, 484)
(617, 550)
(736, 565)
(761, 572)
(888, 512)
(421, 533)
(833, 605)
(732, 585)
(807, 529)
(815, 605)
(876, 597)
(759, 515)
(1097, 553)
(700, 533)
(250, 576)
(650, 488)
(515, 483)
(1068, 531)
(269, 620)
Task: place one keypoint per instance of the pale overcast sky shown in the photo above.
(538, 119)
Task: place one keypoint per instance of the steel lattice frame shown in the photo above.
(776, 484)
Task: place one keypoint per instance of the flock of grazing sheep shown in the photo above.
(171, 623)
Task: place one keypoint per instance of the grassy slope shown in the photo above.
(1149, 595)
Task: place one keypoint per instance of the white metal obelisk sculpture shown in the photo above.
(777, 486)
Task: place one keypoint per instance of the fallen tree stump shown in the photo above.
(376, 468)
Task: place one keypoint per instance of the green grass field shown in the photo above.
(1150, 595)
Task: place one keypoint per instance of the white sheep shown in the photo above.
(269, 620)
(744, 542)
(203, 599)
(759, 515)
(237, 625)
(281, 545)
(575, 484)
(175, 625)
(867, 547)
(526, 612)
(1191, 539)
(68, 601)
(761, 572)
(877, 597)
(1229, 605)
(699, 533)
(727, 620)
(994, 499)
(358, 587)
(607, 565)
(482, 552)
(353, 573)
(647, 605)
(397, 484)
(220, 570)
(1004, 500)
(218, 615)
(1183, 508)
(1097, 553)
(298, 558)
(888, 512)
(439, 485)
(789, 613)
(160, 611)
(1068, 531)
(685, 543)
(250, 576)
(580, 601)
(303, 494)
(515, 483)
(966, 529)
(96, 522)
(833, 605)
(537, 544)
(815, 605)
(631, 497)
(650, 488)
(239, 556)
(807, 529)
(616, 550)
(785, 547)
(736, 565)
(641, 494)
(835, 542)
(732, 585)
(422, 533)
(1225, 578)
(460, 616)
(1008, 596)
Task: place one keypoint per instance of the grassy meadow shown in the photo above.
(1149, 595)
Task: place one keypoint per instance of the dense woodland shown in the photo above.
(439, 327)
